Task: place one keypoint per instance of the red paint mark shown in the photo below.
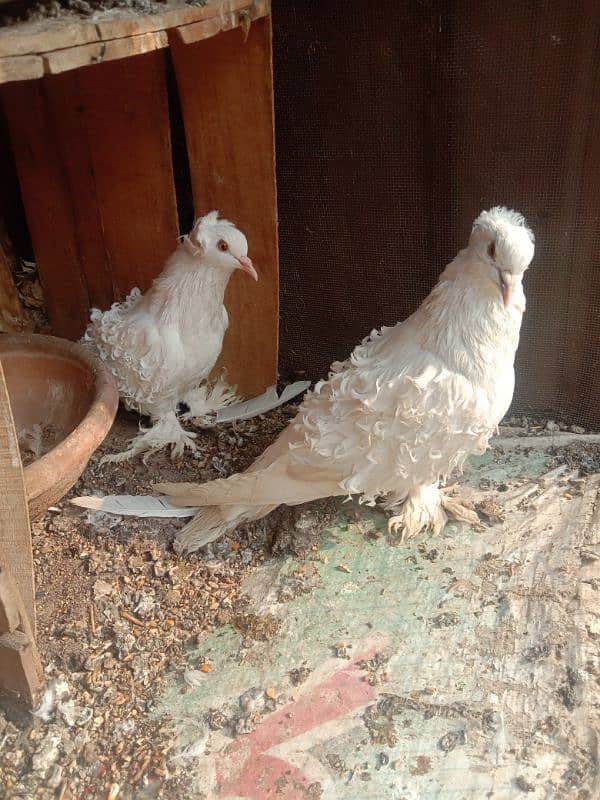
(244, 768)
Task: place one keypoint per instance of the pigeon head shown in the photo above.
(220, 244)
(504, 246)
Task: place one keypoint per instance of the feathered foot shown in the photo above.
(428, 507)
(456, 509)
(422, 508)
(165, 431)
(204, 401)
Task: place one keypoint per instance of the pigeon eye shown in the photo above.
(223, 246)
(492, 249)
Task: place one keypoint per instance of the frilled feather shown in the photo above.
(393, 420)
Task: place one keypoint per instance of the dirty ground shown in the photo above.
(312, 655)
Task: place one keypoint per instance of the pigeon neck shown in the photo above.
(187, 284)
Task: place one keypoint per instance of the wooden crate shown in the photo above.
(87, 108)
(88, 114)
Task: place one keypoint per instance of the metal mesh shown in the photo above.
(397, 123)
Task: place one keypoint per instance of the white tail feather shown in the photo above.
(271, 486)
(213, 522)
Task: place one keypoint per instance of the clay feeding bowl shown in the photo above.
(58, 390)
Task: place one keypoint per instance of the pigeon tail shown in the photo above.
(213, 522)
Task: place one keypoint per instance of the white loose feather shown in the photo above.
(127, 505)
(260, 405)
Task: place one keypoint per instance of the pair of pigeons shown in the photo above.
(391, 422)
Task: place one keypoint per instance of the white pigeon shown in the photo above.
(404, 411)
(162, 346)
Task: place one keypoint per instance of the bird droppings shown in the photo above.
(524, 785)
(256, 627)
(445, 620)
(376, 668)
(490, 511)
(421, 766)
(568, 691)
(451, 740)
(336, 763)
(342, 649)
(537, 652)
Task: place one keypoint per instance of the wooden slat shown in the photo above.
(53, 35)
(66, 114)
(98, 52)
(93, 153)
(20, 68)
(177, 14)
(243, 17)
(125, 109)
(20, 666)
(225, 86)
(48, 205)
(15, 536)
(36, 37)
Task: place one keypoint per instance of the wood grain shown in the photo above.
(48, 205)
(225, 86)
(125, 110)
(64, 34)
(93, 153)
(20, 68)
(98, 52)
(15, 536)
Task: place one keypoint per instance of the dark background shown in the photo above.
(397, 123)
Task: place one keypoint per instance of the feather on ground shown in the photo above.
(404, 411)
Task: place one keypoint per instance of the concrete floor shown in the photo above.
(456, 667)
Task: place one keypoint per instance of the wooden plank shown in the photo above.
(98, 52)
(66, 112)
(228, 117)
(20, 666)
(20, 68)
(125, 111)
(50, 35)
(36, 37)
(15, 536)
(197, 31)
(177, 14)
(48, 205)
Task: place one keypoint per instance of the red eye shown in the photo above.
(492, 249)
(223, 246)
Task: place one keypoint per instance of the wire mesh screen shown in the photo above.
(397, 123)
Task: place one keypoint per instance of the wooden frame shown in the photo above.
(93, 154)
(90, 134)
(20, 668)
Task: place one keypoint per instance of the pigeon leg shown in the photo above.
(457, 509)
(166, 430)
(421, 509)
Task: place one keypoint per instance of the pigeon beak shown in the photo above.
(508, 281)
(247, 265)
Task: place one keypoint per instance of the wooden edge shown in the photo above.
(35, 37)
(20, 68)
(20, 669)
(98, 52)
(243, 17)
(117, 28)
(51, 35)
